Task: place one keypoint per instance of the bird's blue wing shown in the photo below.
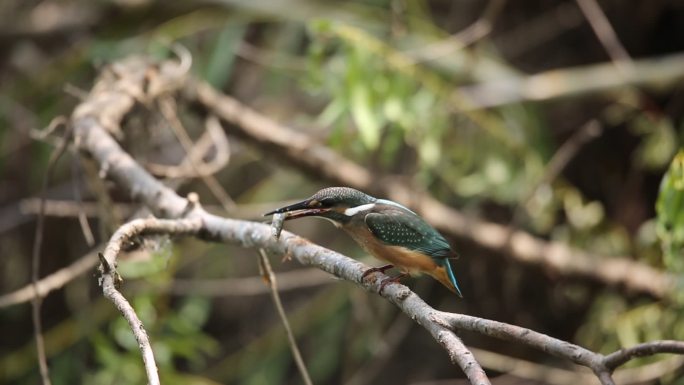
(405, 229)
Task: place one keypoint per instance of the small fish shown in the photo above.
(277, 224)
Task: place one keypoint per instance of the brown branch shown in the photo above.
(68, 208)
(657, 72)
(521, 246)
(232, 287)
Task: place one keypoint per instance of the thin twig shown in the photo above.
(270, 278)
(82, 217)
(213, 136)
(538, 29)
(167, 106)
(50, 282)
(650, 348)
(382, 353)
(467, 36)
(37, 246)
(607, 36)
(557, 163)
(71, 209)
(226, 287)
(110, 278)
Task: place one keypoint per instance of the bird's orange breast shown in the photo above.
(409, 261)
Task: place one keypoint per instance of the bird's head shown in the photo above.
(338, 204)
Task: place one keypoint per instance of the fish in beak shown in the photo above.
(306, 208)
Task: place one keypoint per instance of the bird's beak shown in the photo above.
(299, 210)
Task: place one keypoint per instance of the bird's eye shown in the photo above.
(326, 202)
(315, 203)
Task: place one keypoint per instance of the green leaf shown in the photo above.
(367, 122)
(222, 58)
(659, 142)
(670, 214)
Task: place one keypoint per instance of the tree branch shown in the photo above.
(110, 279)
(620, 357)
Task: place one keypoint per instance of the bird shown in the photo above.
(385, 229)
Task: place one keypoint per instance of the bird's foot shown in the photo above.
(391, 280)
(372, 270)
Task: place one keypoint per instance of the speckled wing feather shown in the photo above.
(403, 228)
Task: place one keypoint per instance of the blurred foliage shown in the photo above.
(384, 83)
(670, 210)
(390, 97)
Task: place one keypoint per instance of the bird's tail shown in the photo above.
(445, 275)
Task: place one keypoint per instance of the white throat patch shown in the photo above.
(350, 212)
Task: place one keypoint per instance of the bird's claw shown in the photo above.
(372, 270)
(391, 280)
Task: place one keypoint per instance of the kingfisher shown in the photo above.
(385, 229)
